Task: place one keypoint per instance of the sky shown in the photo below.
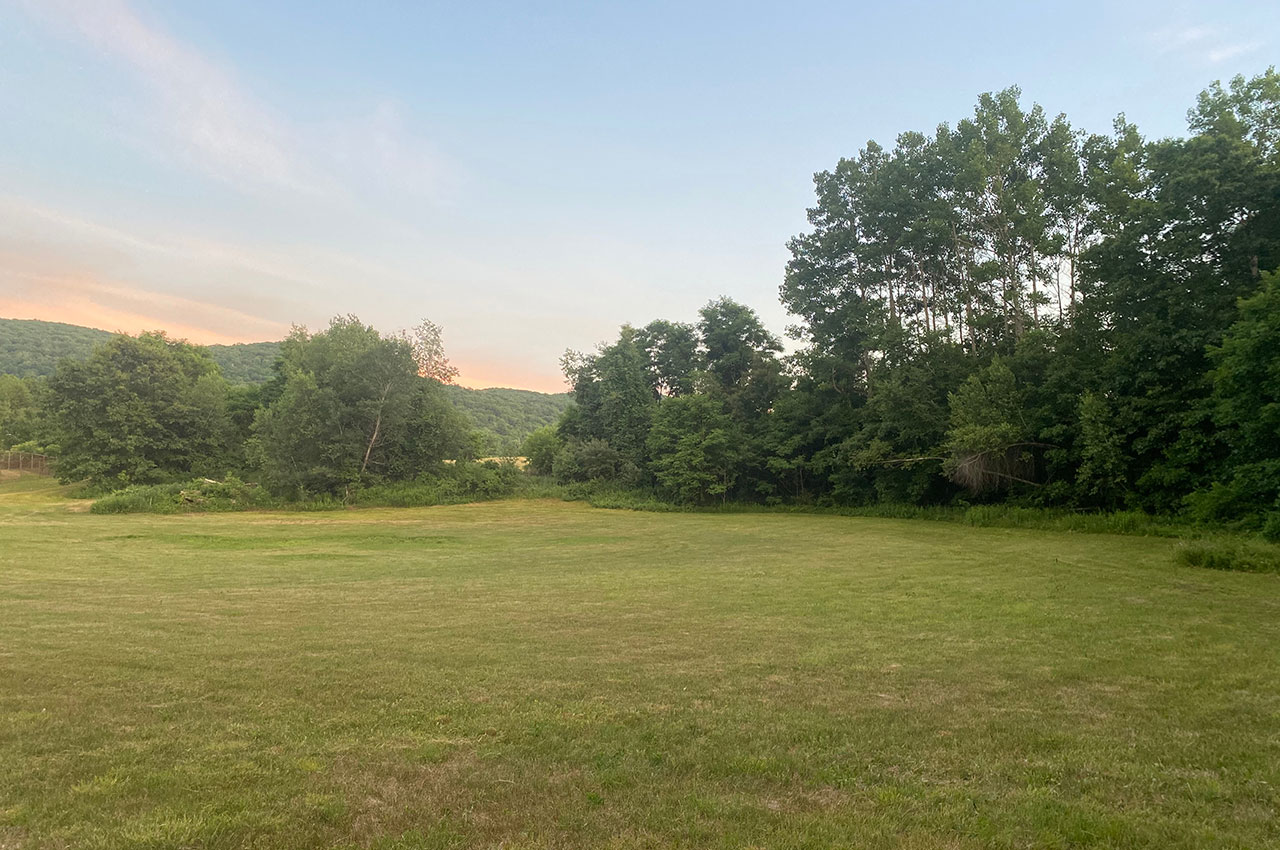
(529, 176)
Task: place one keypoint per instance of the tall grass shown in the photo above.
(450, 485)
(1226, 554)
(197, 496)
(998, 516)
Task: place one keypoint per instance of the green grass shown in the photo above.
(546, 674)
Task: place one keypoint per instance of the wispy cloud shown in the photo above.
(381, 147)
(1203, 44)
(222, 128)
(1230, 51)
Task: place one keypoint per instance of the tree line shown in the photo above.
(1007, 309)
(345, 407)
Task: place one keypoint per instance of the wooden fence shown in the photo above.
(25, 462)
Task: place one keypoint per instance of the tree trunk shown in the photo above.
(377, 429)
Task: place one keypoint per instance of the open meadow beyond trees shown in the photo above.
(546, 674)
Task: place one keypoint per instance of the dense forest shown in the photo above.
(33, 349)
(1004, 309)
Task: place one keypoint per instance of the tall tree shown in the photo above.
(1186, 237)
(1246, 406)
(613, 395)
(697, 454)
(352, 407)
(139, 410)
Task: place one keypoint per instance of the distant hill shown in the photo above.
(32, 348)
(509, 415)
(246, 362)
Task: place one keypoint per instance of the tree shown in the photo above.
(1099, 264)
(592, 460)
(1246, 407)
(426, 342)
(1100, 477)
(352, 407)
(672, 349)
(735, 343)
(1187, 230)
(540, 449)
(613, 396)
(139, 410)
(696, 449)
(987, 444)
(20, 414)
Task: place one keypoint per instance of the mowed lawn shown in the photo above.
(545, 674)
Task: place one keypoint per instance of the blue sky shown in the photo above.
(529, 177)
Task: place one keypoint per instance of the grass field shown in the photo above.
(545, 674)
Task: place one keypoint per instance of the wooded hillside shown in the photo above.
(32, 348)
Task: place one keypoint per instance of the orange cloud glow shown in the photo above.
(115, 307)
(482, 374)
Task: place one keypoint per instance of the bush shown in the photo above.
(1271, 527)
(196, 496)
(593, 460)
(611, 495)
(1239, 555)
(541, 448)
(452, 484)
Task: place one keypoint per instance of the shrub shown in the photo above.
(450, 485)
(196, 496)
(593, 460)
(1271, 527)
(540, 448)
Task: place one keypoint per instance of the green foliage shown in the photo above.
(1239, 555)
(613, 396)
(696, 449)
(592, 460)
(1271, 526)
(1100, 477)
(540, 449)
(1246, 409)
(507, 417)
(450, 484)
(447, 484)
(352, 410)
(31, 348)
(987, 439)
(734, 342)
(246, 362)
(21, 413)
(139, 410)
(200, 495)
(674, 360)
